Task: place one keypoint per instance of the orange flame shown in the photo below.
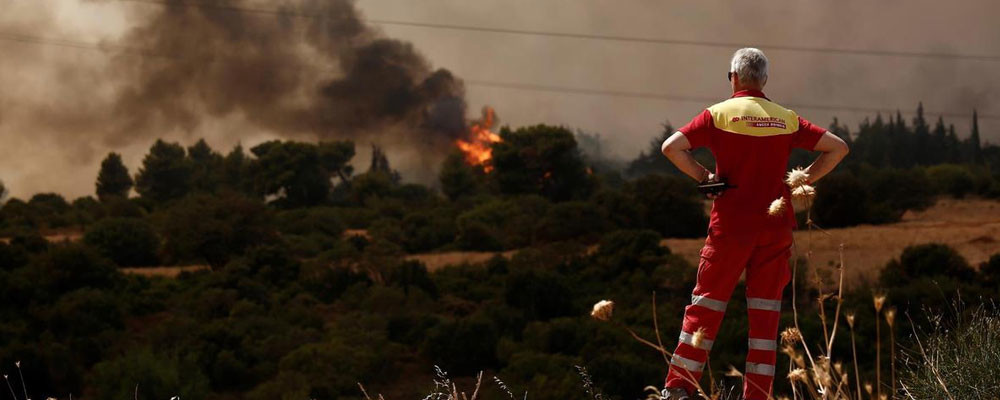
(478, 145)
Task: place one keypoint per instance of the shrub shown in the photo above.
(841, 200)
(669, 205)
(927, 260)
(158, 376)
(965, 358)
(463, 346)
(570, 220)
(214, 228)
(501, 224)
(126, 241)
(951, 179)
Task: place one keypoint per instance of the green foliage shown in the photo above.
(129, 242)
(212, 229)
(927, 260)
(459, 179)
(206, 167)
(165, 173)
(841, 200)
(463, 346)
(113, 178)
(68, 267)
(298, 173)
(540, 160)
(954, 180)
(669, 205)
(956, 360)
(501, 224)
(153, 375)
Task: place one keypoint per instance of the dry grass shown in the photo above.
(970, 226)
(167, 272)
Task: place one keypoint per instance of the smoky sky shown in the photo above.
(316, 70)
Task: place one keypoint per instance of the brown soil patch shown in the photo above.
(167, 272)
(971, 226)
(436, 261)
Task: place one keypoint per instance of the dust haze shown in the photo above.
(315, 70)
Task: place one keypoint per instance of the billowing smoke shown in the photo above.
(308, 69)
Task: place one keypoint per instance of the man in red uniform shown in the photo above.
(750, 138)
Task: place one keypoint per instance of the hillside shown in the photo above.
(971, 226)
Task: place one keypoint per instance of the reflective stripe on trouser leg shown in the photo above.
(686, 363)
(709, 303)
(687, 338)
(762, 344)
(756, 303)
(760, 369)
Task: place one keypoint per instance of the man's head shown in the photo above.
(748, 69)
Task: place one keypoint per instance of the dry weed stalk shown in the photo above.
(890, 319)
(878, 300)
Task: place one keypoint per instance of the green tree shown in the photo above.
(540, 160)
(669, 205)
(129, 242)
(298, 173)
(206, 167)
(214, 228)
(113, 179)
(458, 178)
(165, 173)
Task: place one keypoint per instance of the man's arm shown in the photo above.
(675, 148)
(834, 149)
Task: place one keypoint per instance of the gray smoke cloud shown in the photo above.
(309, 69)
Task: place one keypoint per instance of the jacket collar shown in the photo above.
(750, 93)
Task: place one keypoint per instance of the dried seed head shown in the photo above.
(883, 397)
(797, 177)
(602, 310)
(850, 319)
(868, 388)
(804, 191)
(788, 350)
(791, 336)
(890, 316)
(797, 374)
(838, 366)
(800, 361)
(879, 300)
(698, 336)
(777, 207)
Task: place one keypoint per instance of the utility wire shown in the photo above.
(104, 48)
(588, 36)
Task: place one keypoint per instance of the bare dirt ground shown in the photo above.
(971, 226)
(166, 272)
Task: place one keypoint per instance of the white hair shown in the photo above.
(750, 65)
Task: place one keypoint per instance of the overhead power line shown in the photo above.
(601, 37)
(702, 100)
(104, 48)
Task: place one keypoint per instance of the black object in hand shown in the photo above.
(714, 187)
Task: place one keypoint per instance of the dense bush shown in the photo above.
(129, 242)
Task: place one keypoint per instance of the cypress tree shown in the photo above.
(113, 179)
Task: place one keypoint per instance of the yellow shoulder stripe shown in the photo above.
(754, 116)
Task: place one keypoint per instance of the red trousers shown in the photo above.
(764, 256)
